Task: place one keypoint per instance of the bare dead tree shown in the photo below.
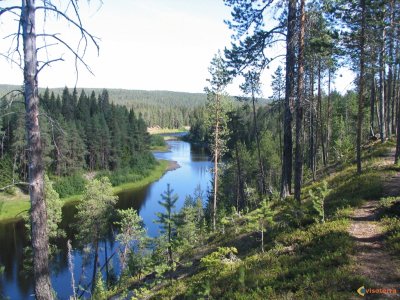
(23, 52)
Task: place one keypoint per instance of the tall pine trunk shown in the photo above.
(382, 114)
(286, 178)
(328, 116)
(372, 106)
(298, 171)
(260, 164)
(361, 86)
(95, 263)
(321, 121)
(312, 155)
(240, 186)
(40, 242)
(216, 153)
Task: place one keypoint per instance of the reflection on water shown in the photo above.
(16, 284)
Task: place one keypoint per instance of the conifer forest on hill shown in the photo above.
(290, 195)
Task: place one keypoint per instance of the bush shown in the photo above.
(70, 185)
(157, 140)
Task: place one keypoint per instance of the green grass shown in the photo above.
(390, 220)
(159, 148)
(166, 130)
(303, 260)
(307, 263)
(14, 207)
(155, 174)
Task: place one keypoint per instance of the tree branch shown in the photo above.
(10, 10)
(79, 26)
(77, 56)
(9, 93)
(7, 57)
(14, 184)
(48, 63)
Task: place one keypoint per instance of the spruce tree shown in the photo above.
(167, 220)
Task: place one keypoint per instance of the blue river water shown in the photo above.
(15, 283)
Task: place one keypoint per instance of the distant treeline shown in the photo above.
(163, 108)
(79, 132)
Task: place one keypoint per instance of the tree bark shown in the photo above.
(382, 88)
(95, 263)
(312, 122)
(298, 171)
(361, 87)
(392, 67)
(328, 116)
(286, 178)
(372, 106)
(240, 192)
(320, 121)
(260, 164)
(216, 153)
(40, 242)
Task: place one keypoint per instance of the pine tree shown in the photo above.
(131, 233)
(94, 213)
(168, 220)
(217, 108)
(252, 86)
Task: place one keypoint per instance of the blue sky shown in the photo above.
(145, 44)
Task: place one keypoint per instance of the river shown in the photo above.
(15, 284)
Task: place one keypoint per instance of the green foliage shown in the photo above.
(100, 291)
(389, 207)
(70, 185)
(95, 210)
(216, 262)
(168, 220)
(87, 133)
(142, 169)
(392, 233)
(132, 234)
(260, 219)
(217, 106)
(354, 190)
(198, 130)
(311, 263)
(318, 200)
(390, 219)
(157, 141)
(54, 210)
(6, 174)
(290, 214)
(54, 217)
(188, 221)
(343, 146)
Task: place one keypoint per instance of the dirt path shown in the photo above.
(372, 259)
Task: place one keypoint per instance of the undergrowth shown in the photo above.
(306, 256)
(390, 218)
(312, 263)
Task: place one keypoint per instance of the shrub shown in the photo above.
(157, 140)
(70, 185)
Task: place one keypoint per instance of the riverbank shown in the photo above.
(159, 130)
(13, 207)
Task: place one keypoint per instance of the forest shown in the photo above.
(295, 196)
(158, 108)
(79, 132)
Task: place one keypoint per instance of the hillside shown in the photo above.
(162, 108)
(135, 98)
(166, 109)
(343, 237)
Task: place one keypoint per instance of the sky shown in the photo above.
(144, 44)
